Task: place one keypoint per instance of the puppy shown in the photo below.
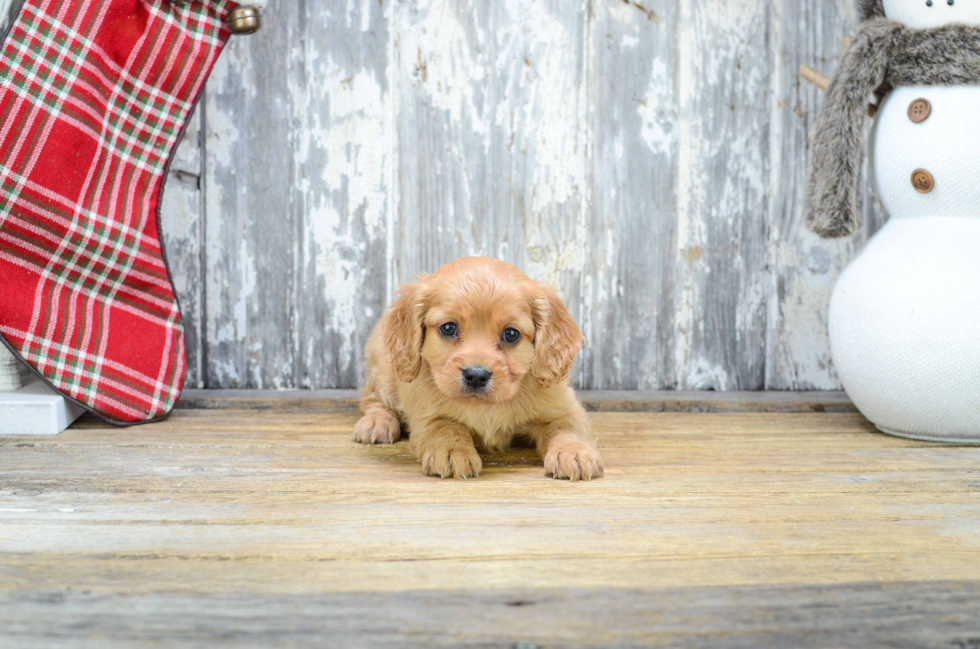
(471, 357)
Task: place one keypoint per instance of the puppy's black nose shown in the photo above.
(476, 377)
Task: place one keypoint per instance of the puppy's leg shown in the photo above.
(568, 448)
(446, 449)
(380, 424)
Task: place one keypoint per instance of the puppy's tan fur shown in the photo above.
(415, 373)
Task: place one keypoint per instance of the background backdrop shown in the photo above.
(647, 157)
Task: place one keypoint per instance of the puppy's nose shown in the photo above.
(476, 377)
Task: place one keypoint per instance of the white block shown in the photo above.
(36, 409)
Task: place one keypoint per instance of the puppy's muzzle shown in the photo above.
(476, 378)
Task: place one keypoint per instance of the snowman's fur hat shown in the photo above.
(885, 54)
(871, 9)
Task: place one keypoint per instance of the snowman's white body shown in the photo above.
(905, 315)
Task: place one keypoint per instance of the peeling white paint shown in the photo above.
(351, 137)
(804, 268)
(687, 180)
(703, 375)
(474, 132)
(438, 56)
(658, 130)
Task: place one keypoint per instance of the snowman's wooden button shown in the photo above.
(919, 110)
(923, 181)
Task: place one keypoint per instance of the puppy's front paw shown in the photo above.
(452, 462)
(572, 460)
(378, 426)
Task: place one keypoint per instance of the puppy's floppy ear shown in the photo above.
(403, 331)
(556, 339)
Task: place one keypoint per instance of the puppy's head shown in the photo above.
(482, 327)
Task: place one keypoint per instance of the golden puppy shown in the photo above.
(471, 357)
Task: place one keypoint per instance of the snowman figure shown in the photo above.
(905, 315)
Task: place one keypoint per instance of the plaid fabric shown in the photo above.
(93, 98)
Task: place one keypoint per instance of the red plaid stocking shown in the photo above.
(94, 95)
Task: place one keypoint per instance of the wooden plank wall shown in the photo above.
(647, 157)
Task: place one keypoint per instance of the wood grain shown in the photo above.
(899, 615)
(7, 8)
(719, 295)
(804, 268)
(182, 221)
(647, 158)
(493, 138)
(634, 130)
(332, 401)
(297, 235)
(255, 520)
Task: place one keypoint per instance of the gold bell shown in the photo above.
(244, 20)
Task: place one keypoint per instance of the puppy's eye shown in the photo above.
(511, 336)
(448, 330)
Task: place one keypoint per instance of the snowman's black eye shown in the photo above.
(949, 2)
(928, 3)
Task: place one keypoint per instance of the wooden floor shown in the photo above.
(267, 527)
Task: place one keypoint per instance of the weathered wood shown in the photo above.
(237, 526)
(593, 400)
(492, 138)
(182, 221)
(628, 282)
(7, 9)
(804, 268)
(720, 256)
(902, 615)
(250, 269)
(701, 401)
(298, 169)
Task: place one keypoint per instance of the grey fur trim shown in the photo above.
(885, 54)
(872, 9)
